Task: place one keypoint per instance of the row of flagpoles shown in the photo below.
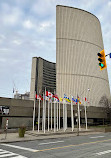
(53, 103)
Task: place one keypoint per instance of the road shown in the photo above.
(90, 146)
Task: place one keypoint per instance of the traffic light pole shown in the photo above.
(108, 54)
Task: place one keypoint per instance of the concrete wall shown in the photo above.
(78, 40)
(20, 112)
(15, 122)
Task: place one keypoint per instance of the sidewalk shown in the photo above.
(34, 135)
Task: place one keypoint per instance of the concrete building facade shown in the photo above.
(20, 112)
(78, 40)
(43, 75)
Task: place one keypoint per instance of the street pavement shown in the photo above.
(34, 135)
(89, 145)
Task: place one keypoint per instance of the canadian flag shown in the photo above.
(38, 97)
(49, 94)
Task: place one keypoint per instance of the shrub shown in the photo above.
(22, 130)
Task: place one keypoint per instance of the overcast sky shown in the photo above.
(28, 29)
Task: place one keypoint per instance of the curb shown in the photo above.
(45, 137)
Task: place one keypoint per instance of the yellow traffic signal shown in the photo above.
(102, 60)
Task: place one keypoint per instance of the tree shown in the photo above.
(106, 103)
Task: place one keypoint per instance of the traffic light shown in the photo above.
(102, 60)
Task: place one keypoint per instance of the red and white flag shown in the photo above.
(38, 97)
(86, 100)
(49, 94)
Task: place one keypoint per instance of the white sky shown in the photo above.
(28, 29)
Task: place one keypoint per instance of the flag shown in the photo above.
(46, 98)
(49, 94)
(78, 98)
(55, 97)
(38, 97)
(66, 98)
(74, 100)
(86, 100)
(60, 99)
(79, 102)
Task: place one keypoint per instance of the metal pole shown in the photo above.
(34, 111)
(72, 119)
(78, 117)
(86, 116)
(79, 120)
(63, 116)
(51, 114)
(59, 115)
(39, 115)
(43, 113)
(54, 117)
(44, 116)
(48, 115)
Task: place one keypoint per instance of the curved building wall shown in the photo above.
(78, 40)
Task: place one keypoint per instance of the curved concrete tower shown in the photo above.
(78, 40)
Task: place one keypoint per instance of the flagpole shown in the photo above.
(79, 114)
(72, 119)
(51, 114)
(54, 117)
(43, 113)
(39, 115)
(44, 116)
(59, 115)
(34, 111)
(48, 115)
(66, 116)
(77, 117)
(85, 116)
(63, 116)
